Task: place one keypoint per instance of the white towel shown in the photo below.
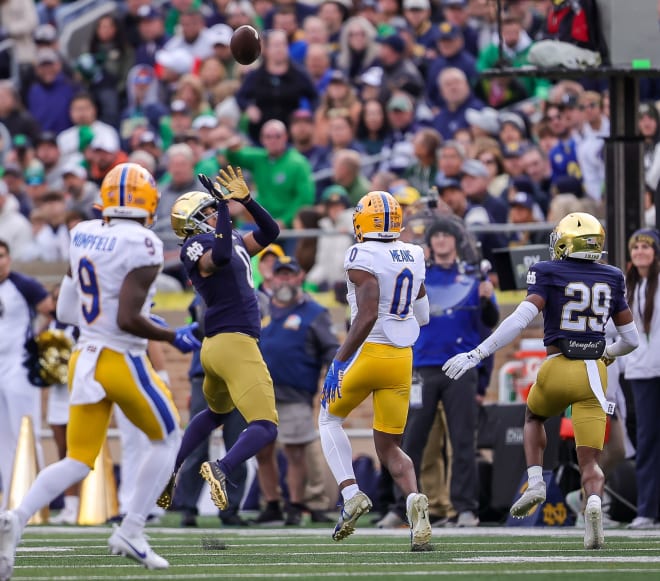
(597, 386)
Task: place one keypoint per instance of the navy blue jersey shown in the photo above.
(229, 292)
(580, 296)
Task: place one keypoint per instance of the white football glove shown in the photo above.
(459, 364)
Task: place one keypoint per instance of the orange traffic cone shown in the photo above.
(25, 470)
(98, 492)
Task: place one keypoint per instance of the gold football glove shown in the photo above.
(234, 183)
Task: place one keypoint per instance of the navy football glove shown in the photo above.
(333, 381)
(212, 188)
(185, 339)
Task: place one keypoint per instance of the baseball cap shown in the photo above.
(105, 142)
(205, 122)
(513, 118)
(148, 137)
(148, 13)
(406, 195)
(400, 103)
(13, 169)
(179, 106)
(47, 137)
(513, 149)
(286, 262)
(522, 199)
(649, 235)
(569, 101)
(35, 175)
(74, 169)
(336, 194)
(474, 168)
(523, 184)
(416, 5)
(373, 77)
(47, 56)
(446, 184)
(447, 31)
(221, 34)
(143, 75)
(301, 115)
(274, 249)
(337, 76)
(21, 141)
(486, 119)
(44, 34)
(178, 60)
(394, 41)
(567, 185)
(460, 3)
(447, 226)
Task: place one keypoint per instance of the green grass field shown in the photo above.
(80, 553)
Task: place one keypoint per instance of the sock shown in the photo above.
(350, 491)
(534, 475)
(152, 475)
(409, 501)
(336, 447)
(50, 483)
(199, 428)
(256, 436)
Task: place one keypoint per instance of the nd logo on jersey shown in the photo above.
(194, 251)
(531, 277)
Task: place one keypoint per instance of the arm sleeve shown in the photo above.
(68, 304)
(267, 228)
(509, 329)
(422, 310)
(222, 243)
(627, 342)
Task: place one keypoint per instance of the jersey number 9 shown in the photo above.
(90, 288)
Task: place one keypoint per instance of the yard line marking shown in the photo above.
(558, 558)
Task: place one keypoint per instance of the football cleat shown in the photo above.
(216, 478)
(352, 510)
(137, 548)
(10, 535)
(129, 191)
(578, 235)
(533, 496)
(420, 525)
(377, 216)
(191, 212)
(593, 524)
(167, 496)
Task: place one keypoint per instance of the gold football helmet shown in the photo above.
(578, 235)
(129, 191)
(188, 217)
(377, 216)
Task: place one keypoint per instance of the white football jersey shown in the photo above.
(101, 256)
(400, 270)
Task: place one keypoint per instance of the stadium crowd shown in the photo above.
(348, 97)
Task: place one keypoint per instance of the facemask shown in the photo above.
(285, 293)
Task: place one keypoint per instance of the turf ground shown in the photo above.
(492, 553)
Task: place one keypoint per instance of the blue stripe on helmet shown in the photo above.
(386, 207)
(122, 186)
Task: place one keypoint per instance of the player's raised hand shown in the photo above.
(185, 338)
(234, 182)
(459, 364)
(212, 188)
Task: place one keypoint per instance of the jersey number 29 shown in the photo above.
(596, 298)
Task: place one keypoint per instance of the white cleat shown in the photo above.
(420, 525)
(136, 548)
(10, 535)
(533, 496)
(593, 524)
(65, 517)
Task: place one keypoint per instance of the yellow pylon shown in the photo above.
(98, 492)
(25, 470)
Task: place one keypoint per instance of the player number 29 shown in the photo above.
(597, 299)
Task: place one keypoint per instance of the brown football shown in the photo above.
(245, 45)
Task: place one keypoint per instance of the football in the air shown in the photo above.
(245, 45)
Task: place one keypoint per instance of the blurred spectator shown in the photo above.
(545, 136)
(333, 13)
(114, 57)
(191, 91)
(591, 148)
(48, 12)
(451, 54)
(399, 72)
(51, 240)
(86, 127)
(512, 154)
(457, 95)
(457, 14)
(450, 161)
(284, 18)
(536, 166)
(35, 183)
(48, 153)
(313, 32)
(337, 237)
(491, 157)
(193, 36)
(81, 193)
(19, 19)
(339, 95)
(512, 128)
(104, 154)
(146, 160)
(347, 172)
(341, 132)
(51, 92)
(213, 75)
(563, 156)
(240, 12)
(422, 174)
(398, 152)
(15, 185)
(302, 11)
(221, 52)
(475, 185)
(143, 100)
(521, 211)
(297, 343)
(305, 252)
(170, 66)
(648, 124)
(129, 20)
(566, 196)
(418, 17)
(152, 36)
(317, 65)
(357, 49)
(483, 123)
(373, 127)
(276, 89)
(177, 123)
(13, 116)
(301, 128)
(282, 176)
(265, 261)
(15, 227)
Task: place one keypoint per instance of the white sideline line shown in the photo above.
(555, 559)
